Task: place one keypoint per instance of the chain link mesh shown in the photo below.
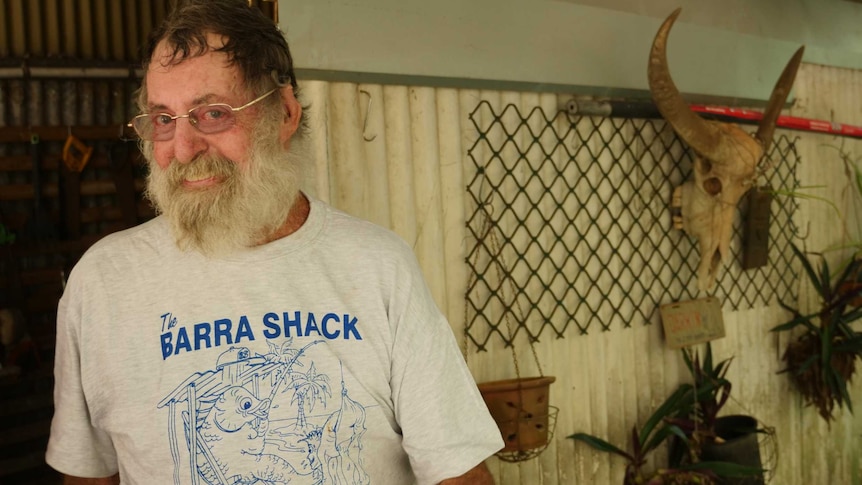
(580, 207)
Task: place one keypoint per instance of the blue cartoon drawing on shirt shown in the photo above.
(267, 419)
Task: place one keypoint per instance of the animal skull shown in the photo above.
(726, 158)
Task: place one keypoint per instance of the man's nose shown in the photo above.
(188, 141)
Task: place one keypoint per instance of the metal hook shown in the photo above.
(367, 115)
(807, 231)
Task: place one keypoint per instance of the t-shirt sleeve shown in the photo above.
(446, 426)
(75, 446)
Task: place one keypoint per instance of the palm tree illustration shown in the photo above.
(309, 388)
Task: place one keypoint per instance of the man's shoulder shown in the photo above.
(135, 242)
(360, 232)
(150, 231)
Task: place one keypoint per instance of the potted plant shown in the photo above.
(521, 409)
(821, 360)
(711, 389)
(710, 437)
(663, 424)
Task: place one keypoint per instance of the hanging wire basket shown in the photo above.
(519, 406)
(526, 420)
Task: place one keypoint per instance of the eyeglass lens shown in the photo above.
(209, 119)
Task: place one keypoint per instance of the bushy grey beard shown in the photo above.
(243, 209)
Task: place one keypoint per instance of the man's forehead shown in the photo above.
(180, 83)
(166, 53)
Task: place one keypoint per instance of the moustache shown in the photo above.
(204, 166)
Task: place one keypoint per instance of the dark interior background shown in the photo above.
(70, 173)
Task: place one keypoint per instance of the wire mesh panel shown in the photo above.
(571, 225)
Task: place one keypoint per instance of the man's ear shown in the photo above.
(292, 113)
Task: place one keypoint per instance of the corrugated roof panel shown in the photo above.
(98, 30)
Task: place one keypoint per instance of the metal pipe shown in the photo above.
(645, 109)
(37, 72)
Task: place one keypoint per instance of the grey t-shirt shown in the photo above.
(319, 358)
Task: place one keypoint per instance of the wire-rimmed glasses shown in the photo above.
(208, 118)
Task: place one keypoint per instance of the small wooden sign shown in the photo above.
(692, 322)
(755, 240)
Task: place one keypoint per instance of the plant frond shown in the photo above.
(600, 445)
(806, 265)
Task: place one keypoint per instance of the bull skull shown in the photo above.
(725, 162)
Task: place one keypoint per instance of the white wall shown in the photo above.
(732, 49)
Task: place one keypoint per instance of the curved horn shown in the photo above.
(699, 134)
(777, 100)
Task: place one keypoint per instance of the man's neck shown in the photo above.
(295, 219)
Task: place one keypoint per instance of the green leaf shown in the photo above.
(798, 320)
(825, 351)
(801, 195)
(707, 360)
(662, 434)
(721, 369)
(807, 363)
(858, 177)
(852, 315)
(636, 444)
(787, 307)
(849, 271)
(686, 356)
(600, 445)
(669, 407)
(840, 385)
(812, 275)
(825, 281)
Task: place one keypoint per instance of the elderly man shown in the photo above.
(250, 333)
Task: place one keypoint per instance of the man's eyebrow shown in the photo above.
(200, 100)
(205, 99)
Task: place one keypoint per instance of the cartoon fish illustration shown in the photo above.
(234, 433)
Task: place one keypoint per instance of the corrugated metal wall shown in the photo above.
(825, 455)
(397, 155)
(93, 30)
(98, 30)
